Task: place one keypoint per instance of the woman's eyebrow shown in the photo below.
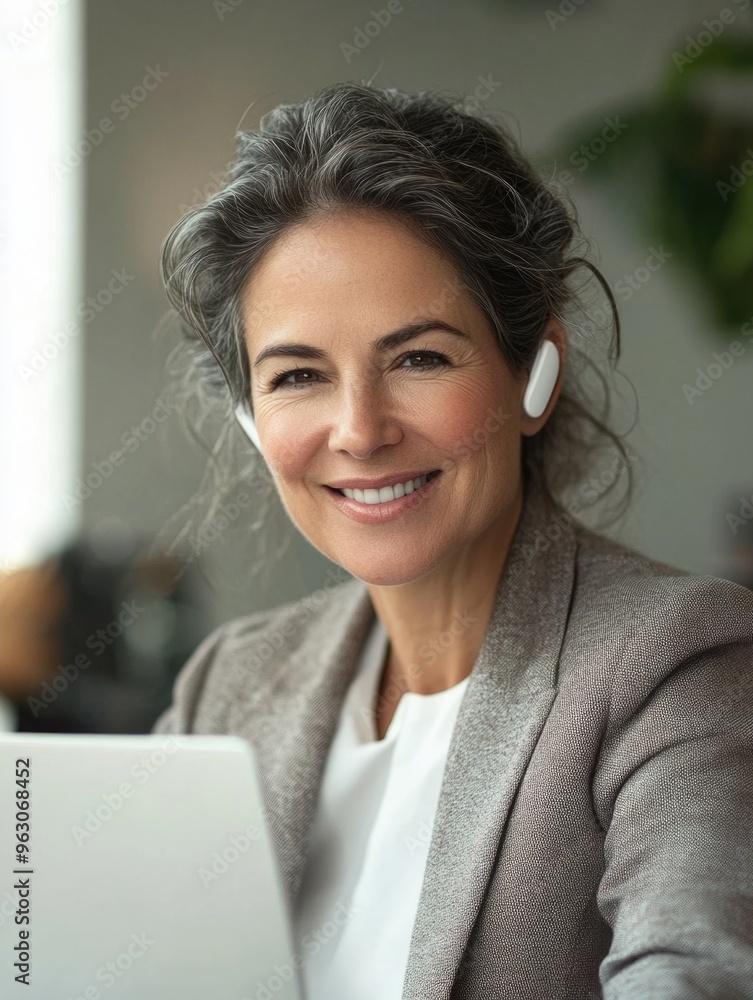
(384, 343)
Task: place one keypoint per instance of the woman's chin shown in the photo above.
(388, 573)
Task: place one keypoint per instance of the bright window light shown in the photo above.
(40, 275)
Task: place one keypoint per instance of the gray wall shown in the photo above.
(225, 65)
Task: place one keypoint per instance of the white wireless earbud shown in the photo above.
(546, 367)
(246, 420)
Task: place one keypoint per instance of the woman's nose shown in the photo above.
(362, 420)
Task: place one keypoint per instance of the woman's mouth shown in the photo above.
(378, 506)
(388, 493)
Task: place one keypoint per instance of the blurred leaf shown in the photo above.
(733, 252)
(681, 172)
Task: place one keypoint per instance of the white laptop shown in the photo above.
(138, 867)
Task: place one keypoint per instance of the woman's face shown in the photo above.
(441, 400)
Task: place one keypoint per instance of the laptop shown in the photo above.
(138, 868)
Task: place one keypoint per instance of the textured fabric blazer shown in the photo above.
(594, 831)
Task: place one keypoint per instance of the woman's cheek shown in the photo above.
(284, 448)
(461, 424)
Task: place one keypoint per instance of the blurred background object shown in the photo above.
(91, 639)
(33, 602)
(681, 169)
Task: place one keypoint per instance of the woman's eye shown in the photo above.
(281, 378)
(428, 354)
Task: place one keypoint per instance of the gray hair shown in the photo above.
(459, 181)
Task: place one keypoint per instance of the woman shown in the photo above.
(509, 757)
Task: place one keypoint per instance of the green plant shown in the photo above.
(683, 171)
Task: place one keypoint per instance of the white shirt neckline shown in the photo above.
(412, 704)
(370, 837)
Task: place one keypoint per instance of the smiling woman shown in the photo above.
(515, 753)
(502, 243)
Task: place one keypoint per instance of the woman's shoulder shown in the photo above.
(635, 621)
(619, 575)
(232, 653)
(290, 623)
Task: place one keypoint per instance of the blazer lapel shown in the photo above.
(508, 698)
(290, 716)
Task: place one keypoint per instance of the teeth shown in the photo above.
(386, 493)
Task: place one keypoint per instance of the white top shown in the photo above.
(355, 912)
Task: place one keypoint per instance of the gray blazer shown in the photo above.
(594, 832)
